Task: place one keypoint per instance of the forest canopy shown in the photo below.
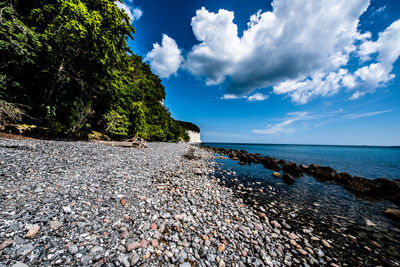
(68, 65)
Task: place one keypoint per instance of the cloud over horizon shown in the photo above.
(301, 49)
(287, 124)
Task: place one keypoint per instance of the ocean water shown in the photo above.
(364, 161)
(333, 211)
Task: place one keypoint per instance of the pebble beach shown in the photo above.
(86, 204)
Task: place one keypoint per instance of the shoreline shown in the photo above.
(164, 205)
(379, 189)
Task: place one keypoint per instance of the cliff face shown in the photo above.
(194, 137)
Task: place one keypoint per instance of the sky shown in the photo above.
(281, 71)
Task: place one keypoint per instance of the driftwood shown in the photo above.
(136, 144)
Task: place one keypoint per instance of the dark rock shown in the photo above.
(343, 178)
(325, 173)
(270, 164)
(292, 169)
(393, 214)
(288, 179)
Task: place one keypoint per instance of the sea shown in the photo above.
(331, 210)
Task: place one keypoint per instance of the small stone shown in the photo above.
(6, 243)
(179, 217)
(207, 243)
(293, 242)
(123, 202)
(33, 231)
(153, 226)
(185, 264)
(302, 251)
(325, 243)
(141, 244)
(276, 224)
(276, 174)
(221, 248)
(67, 209)
(123, 259)
(20, 264)
(293, 236)
(25, 250)
(221, 263)
(227, 221)
(73, 249)
(124, 235)
(55, 225)
(168, 254)
(134, 258)
(205, 237)
(154, 243)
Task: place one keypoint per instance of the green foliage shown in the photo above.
(69, 62)
(117, 124)
(189, 126)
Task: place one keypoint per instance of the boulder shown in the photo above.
(270, 164)
(343, 178)
(325, 173)
(292, 169)
(288, 179)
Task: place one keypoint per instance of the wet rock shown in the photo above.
(276, 174)
(393, 214)
(288, 179)
(292, 169)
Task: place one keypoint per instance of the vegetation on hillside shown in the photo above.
(67, 63)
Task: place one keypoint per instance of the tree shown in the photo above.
(68, 61)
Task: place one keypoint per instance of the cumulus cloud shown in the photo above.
(301, 48)
(134, 13)
(165, 59)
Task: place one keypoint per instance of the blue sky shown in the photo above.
(296, 72)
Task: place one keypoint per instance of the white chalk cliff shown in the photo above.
(194, 137)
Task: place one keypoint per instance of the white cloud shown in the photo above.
(134, 13)
(165, 59)
(378, 74)
(301, 48)
(354, 116)
(283, 127)
(288, 124)
(258, 97)
(251, 98)
(230, 96)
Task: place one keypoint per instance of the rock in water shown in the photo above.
(292, 169)
(393, 214)
(276, 174)
(288, 179)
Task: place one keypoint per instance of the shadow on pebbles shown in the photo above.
(79, 203)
